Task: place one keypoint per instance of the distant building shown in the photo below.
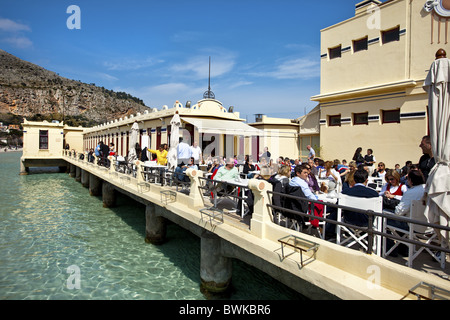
(14, 127)
(373, 66)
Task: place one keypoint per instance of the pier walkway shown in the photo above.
(316, 268)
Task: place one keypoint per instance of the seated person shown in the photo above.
(181, 170)
(248, 167)
(380, 172)
(416, 181)
(358, 189)
(300, 180)
(312, 181)
(393, 190)
(228, 172)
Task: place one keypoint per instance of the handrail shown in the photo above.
(371, 214)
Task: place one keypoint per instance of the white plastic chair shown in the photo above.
(422, 233)
(418, 233)
(355, 235)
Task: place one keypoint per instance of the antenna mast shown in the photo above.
(209, 94)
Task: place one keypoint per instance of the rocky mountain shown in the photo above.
(31, 91)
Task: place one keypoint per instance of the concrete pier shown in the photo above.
(215, 269)
(73, 170)
(85, 178)
(78, 174)
(155, 226)
(95, 185)
(336, 272)
(108, 195)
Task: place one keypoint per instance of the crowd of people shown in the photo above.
(314, 176)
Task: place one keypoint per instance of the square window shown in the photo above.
(360, 45)
(390, 35)
(391, 116)
(334, 121)
(335, 52)
(361, 118)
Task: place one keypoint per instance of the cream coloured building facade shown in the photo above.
(373, 66)
(217, 130)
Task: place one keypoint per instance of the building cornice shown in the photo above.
(388, 87)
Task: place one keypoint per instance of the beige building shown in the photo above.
(217, 130)
(373, 66)
(43, 143)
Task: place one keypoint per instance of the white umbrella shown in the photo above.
(172, 156)
(134, 136)
(438, 184)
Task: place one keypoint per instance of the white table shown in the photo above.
(152, 165)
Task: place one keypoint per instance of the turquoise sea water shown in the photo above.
(49, 224)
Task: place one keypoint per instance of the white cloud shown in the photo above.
(294, 68)
(11, 26)
(301, 68)
(130, 64)
(14, 34)
(19, 42)
(198, 67)
(106, 76)
(240, 84)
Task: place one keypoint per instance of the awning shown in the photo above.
(215, 126)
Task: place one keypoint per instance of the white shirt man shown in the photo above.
(196, 152)
(184, 152)
(312, 153)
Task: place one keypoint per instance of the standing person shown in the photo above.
(196, 152)
(184, 152)
(97, 149)
(357, 157)
(104, 153)
(427, 161)
(265, 154)
(161, 155)
(312, 153)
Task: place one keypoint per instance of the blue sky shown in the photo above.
(265, 55)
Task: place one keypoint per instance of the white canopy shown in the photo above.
(216, 126)
(438, 183)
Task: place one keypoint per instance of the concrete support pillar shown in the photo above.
(108, 195)
(155, 226)
(215, 269)
(85, 178)
(72, 170)
(23, 170)
(78, 174)
(95, 185)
